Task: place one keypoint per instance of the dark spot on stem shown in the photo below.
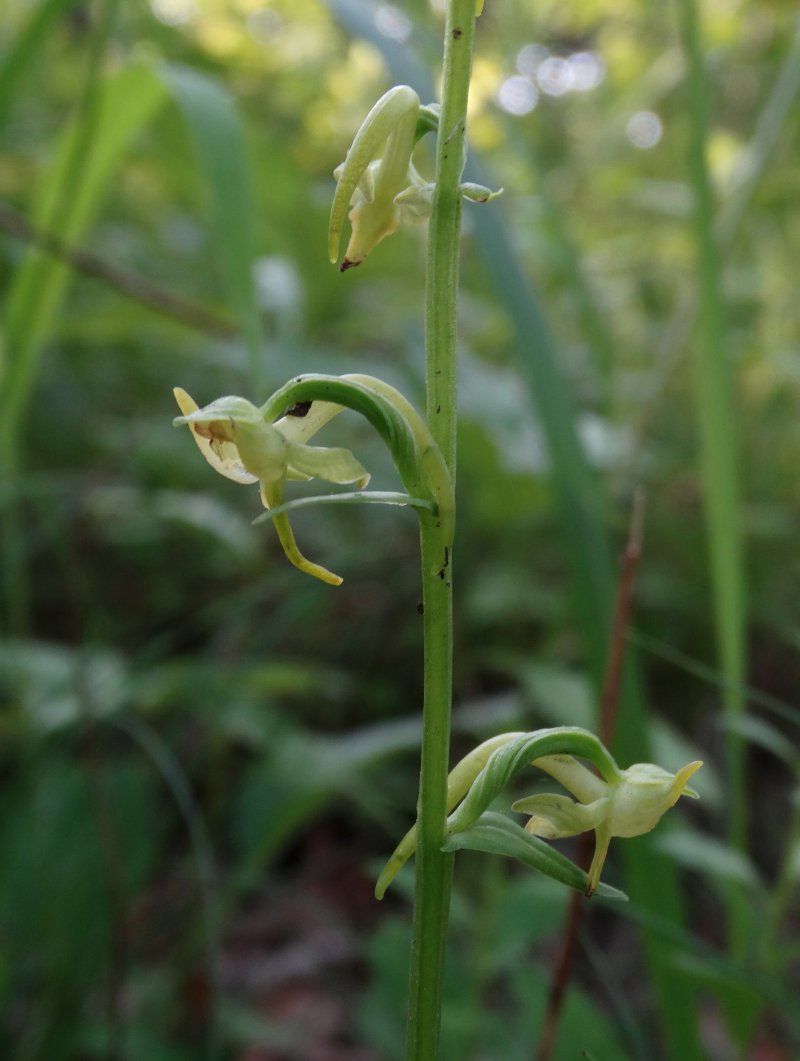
(438, 408)
(421, 608)
(446, 563)
(457, 33)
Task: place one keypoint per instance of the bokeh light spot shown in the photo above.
(517, 95)
(588, 70)
(264, 24)
(393, 23)
(644, 129)
(554, 76)
(530, 58)
(173, 12)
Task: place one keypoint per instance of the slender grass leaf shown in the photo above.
(127, 102)
(20, 57)
(217, 130)
(717, 429)
(758, 731)
(710, 856)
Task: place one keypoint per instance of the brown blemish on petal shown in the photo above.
(216, 430)
(347, 264)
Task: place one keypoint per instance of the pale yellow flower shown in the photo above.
(240, 444)
(630, 805)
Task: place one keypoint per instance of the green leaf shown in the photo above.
(758, 731)
(360, 497)
(219, 137)
(495, 834)
(21, 53)
(706, 854)
(127, 102)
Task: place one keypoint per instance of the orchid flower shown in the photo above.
(613, 802)
(371, 185)
(629, 805)
(378, 180)
(269, 445)
(237, 441)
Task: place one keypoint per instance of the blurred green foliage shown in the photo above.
(205, 754)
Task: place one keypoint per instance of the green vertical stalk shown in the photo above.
(718, 451)
(433, 867)
(441, 289)
(25, 325)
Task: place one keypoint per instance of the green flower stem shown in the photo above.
(26, 321)
(441, 291)
(434, 868)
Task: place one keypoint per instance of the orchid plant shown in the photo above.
(379, 189)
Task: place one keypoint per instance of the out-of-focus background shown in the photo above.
(205, 754)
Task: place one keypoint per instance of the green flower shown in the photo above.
(629, 804)
(378, 183)
(383, 191)
(240, 444)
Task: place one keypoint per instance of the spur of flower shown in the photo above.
(627, 805)
(239, 443)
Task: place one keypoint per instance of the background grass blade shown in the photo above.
(719, 448)
(650, 879)
(65, 205)
(21, 55)
(219, 137)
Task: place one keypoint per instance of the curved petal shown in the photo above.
(396, 111)
(303, 424)
(680, 788)
(223, 456)
(555, 816)
(574, 776)
(335, 465)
